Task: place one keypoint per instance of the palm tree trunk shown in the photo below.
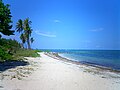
(28, 42)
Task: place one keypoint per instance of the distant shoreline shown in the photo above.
(101, 68)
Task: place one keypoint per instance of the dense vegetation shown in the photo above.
(8, 48)
(12, 49)
(5, 19)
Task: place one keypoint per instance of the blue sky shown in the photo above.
(70, 24)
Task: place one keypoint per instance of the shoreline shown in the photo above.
(101, 68)
(52, 73)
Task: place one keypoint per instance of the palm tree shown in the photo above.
(27, 31)
(23, 38)
(24, 28)
(32, 40)
(19, 26)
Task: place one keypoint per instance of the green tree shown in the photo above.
(27, 31)
(5, 19)
(19, 26)
(8, 48)
(23, 38)
(24, 28)
(20, 29)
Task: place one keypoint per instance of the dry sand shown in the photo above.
(52, 74)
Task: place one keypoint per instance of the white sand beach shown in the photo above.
(47, 73)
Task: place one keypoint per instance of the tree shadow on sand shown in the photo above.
(11, 64)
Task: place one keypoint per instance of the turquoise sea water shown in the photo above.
(106, 58)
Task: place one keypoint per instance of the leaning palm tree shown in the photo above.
(24, 28)
(27, 31)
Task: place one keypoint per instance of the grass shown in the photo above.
(20, 54)
(12, 50)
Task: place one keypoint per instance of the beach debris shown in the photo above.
(19, 72)
(1, 86)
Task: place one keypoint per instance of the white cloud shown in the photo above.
(45, 34)
(56, 21)
(97, 30)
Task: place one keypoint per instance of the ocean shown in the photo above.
(105, 58)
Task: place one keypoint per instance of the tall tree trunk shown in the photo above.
(28, 42)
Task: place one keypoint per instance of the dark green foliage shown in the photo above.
(4, 55)
(8, 47)
(11, 50)
(5, 19)
(9, 44)
(19, 26)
